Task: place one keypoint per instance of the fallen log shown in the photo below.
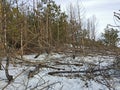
(84, 71)
(37, 67)
(75, 64)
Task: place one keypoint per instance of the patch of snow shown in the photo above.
(48, 82)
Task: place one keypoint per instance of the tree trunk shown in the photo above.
(0, 64)
(9, 77)
(6, 50)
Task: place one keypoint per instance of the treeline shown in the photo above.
(39, 25)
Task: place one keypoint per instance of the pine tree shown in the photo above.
(110, 37)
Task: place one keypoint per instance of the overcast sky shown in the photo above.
(102, 9)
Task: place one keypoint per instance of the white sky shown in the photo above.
(102, 9)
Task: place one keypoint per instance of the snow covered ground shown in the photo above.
(71, 81)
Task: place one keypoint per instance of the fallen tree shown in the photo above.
(83, 71)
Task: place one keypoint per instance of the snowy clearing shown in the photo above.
(72, 74)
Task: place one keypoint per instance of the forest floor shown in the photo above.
(61, 72)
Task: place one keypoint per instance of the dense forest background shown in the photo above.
(40, 26)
